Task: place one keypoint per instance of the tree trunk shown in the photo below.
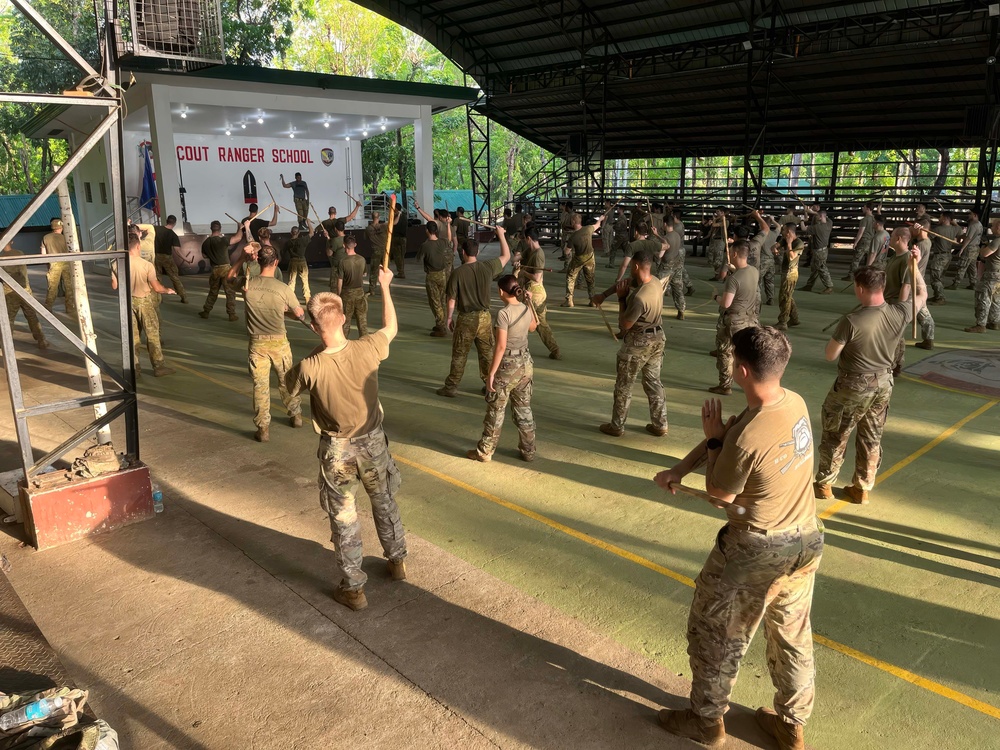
(793, 175)
(944, 161)
(512, 153)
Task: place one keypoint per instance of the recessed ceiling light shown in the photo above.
(243, 125)
(184, 113)
(228, 131)
(260, 117)
(347, 138)
(326, 123)
(383, 127)
(364, 133)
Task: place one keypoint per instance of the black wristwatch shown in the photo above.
(713, 444)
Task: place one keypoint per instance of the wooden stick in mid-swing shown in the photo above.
(388, 237)
(935, 234)
(725, 239)
(604, 316)
(913, 293)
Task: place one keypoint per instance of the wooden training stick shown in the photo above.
(236, 221)
(606, 323)
(390, 221)
(694, 492)
(935, 234)
(913, 293)
(725, 239)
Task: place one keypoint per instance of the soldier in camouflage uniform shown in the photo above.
(145, 317)
(941, 250)
(438, 259)
(15, 303)
(764, 562)
(351, 288)
(267, 300)
(298, 266)
(469, 290)
(670, 269)
(619, 241)
(640, 303)
(216, 249)
(768, 254)
(863, 240)
(717, 245)
(54, 243)
(739, 308)
(531, 278)
(581, 242)
(510, 376)
(968, 252)
(988, 288)
(399, 247)
(865, 345)
(790, 251)
(378, 234)
(342, 379)
(818, 232)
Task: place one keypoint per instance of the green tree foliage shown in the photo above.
(256, 31)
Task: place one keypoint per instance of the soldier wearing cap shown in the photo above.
(54, 243)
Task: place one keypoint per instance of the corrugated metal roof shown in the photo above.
(12, 205)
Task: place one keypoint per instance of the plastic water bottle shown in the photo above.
(31, 712)
(157, 499)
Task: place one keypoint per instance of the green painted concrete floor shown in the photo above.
(905, 610)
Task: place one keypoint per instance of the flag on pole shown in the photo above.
(148, 198)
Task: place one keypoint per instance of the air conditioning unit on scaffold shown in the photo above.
(181, 34)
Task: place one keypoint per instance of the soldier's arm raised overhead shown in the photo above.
(504, 247)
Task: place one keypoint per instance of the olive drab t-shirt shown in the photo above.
(352, 271)
(582, 242)
(896, 273)
(867, 231)
(337, 254)
(767, 462)
(469, 285)
(55, 243)
(328, 225)
(974, 235)
(377, 235)
(798, 246)
(743, 284)
(820, 234)
(437, 255)
(20, 273)
(142, 275)
(266, 301)
(515, 318)
(645, 308)
(299, 189)
(951, 231)
(650, 245)
(343, 386)
(676, 242)
(870, 336)
(757, 242)
(165, 240)
(297, 247)
(216, 251)
(532, 261)
(991, 263)
(461, 227)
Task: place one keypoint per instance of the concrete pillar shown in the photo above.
(424, 159)
(161, 132)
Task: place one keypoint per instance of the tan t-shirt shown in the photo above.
(55, 243)
(645, 309)
(343, 386)
(515, 318)
(870, 337)
(267, 300)
(767, 462)
(141, 275)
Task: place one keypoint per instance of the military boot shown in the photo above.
(822, 491)
(989, 326)
(976, 329)
(789, 736)
(161, 370)
(686, 723)
(397, 570)
(262, 435)
(856, 495)
(722, 390)
(295, 420)
(609, 429)
(927, 344)
(351, 599)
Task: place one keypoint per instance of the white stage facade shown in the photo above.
(218, 136)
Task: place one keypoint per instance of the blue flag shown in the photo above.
(147, 199)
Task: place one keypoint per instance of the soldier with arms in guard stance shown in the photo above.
(763, 566)
(739, 308)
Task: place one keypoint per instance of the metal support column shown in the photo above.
(479, 125)
(760, 58)
(991, 119)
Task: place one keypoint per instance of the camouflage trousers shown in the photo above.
(538, 301)
(618, 245)
(788, 312)
(267, 352)
(216, 282)
(926, 321)
(435, 283)
(302, 211)
(513, 383)
(399, 256)
(573, 273)
(727, 326)
(766, 275)
(146, 318)
(750, 577)
(373, 265)
(672, 278)
(470, 328)
(937, 264)
(15, 303)
(344, 464)
(685, 278)
(298, 268)
(640, 353)
(988, 300)
(60, 272)
(165, 264)
(855, 402)
(356, 309)
(860, 257)
(716, 255)
(818, 270)
(966, 270)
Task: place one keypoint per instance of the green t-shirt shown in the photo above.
(377, 235)
(645, 307)
(267, 300)
(744, 286)
(582, 242)
(328, 225)
(337, 254)
(461, 227)
(469, 285)
(352, 271)
(896, 271)
(533, 261)
(793, 263)
(216, 251)
(296, 248)
(951, 231)
(991, 263)
(870, 336)
(650, 245)
(867, 231)
(820, 234)
(437, 255)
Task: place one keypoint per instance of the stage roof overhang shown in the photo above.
(674, 78)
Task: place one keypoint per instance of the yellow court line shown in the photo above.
(899, 672)
(904, 674)
(900, 465)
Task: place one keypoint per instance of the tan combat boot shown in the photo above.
(161, 370)
(351, 599)
(654, 430)
(822, 491)
(474, 455)
(262, 435)
(976, 329)
(789, 736)
(686, 723)
(856, 495)
(609, 429)
(397, 570)
(295, 421)
(722, 390)
(927, 344)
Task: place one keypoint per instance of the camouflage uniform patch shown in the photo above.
(164, 263)
(146, 318)
(219, 281)
(860, 257)
(544, 330)
(640, 353)
(60, 272)
(937, 264)
(966, 270)
(267, 353)
(573, 272)
(727, 326)
(766, 274)
(855, 401)
(512, 382)
(345, 463)
(926, 321)
(750, 577)
(818, 269)
(470, 328)
(716, 255)
(436, 282)
(356, 309)
(399, 253)
(671, 275)
(988, 300)
(297, 267)
(788, 312)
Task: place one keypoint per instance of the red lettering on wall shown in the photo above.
(291, 156)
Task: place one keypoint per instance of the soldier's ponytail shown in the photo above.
(509, 286)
